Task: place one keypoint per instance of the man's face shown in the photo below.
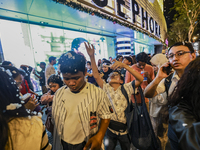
(180, 59)
(141, 64)
(42, 66)
(54, 61)
(74, 81)
(114, 77)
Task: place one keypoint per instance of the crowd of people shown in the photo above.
(85, 106)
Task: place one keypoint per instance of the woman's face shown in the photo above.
(54, 86)
(155, 68)
(105, 68)
(18, 81)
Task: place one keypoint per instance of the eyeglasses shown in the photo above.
(178, 54)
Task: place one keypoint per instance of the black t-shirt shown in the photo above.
(42, 81)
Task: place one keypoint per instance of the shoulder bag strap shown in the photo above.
(168, 82)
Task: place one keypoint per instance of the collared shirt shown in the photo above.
(119, 102)
(48, 72)
(76, 115)
(161, 86)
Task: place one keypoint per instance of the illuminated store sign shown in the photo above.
(130, 10)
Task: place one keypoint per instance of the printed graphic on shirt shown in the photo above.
(93, 120)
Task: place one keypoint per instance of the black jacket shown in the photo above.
(186, 124)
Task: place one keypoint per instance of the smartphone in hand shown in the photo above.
(167, 69)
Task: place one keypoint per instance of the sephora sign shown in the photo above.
(147, 22)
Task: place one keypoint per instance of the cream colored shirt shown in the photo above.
(27, 134)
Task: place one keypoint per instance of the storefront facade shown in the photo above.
(33, 30)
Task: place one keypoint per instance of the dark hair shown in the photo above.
(188, 88)
(118, 56)
(76, 43)
(88, 62)
(107, 62)
(134, 59)
(6, 63)
(9, 93)
(129, 59)
(99, 63)
(22, 72)
(143, 57)
(51, 58)
(72, 62)
(187, 44)
(55, 79)
(43, 63)
(13, 70)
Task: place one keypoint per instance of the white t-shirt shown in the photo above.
(119, 101)
(82, 112)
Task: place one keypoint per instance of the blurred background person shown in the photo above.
(128, 61)
(6, 63)
(158, 111)
(50, 69)
(90, 77)
(28, 70)
(41, 76)
(19, 129)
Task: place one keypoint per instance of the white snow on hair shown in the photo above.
(13, 106)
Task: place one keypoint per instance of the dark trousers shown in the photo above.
(113, 138)
(67, 146)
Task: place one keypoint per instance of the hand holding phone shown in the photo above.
(167, 69)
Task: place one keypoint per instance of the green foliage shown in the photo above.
(178, 30)
(185, 20)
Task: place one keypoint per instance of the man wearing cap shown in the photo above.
(50, 69)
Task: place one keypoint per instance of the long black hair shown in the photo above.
(188, 88)
(9, 93)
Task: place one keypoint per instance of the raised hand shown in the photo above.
(32, 103)
(117, 64)
(90, 49)
(161, 73)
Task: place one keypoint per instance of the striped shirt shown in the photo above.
(119, 102)
(76, 115)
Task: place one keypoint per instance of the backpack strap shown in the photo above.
(125, 93)
(168, 82)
